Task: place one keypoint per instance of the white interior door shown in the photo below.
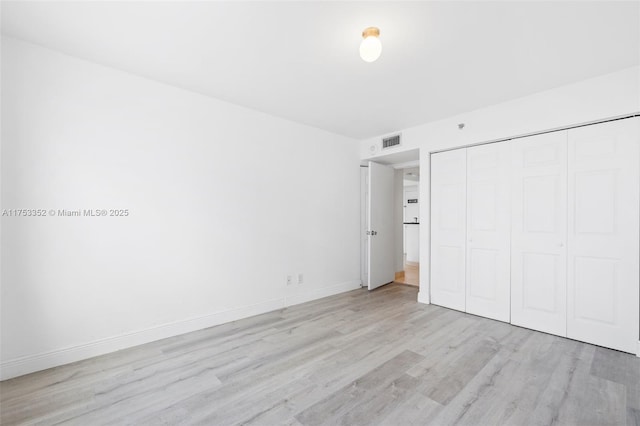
(448, 228)
(603, 234)
(488, 231)
(381, 229)
(539, 232)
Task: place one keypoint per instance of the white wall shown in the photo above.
(195, 251)
(607, 96)
(364, 188)
(603, 97)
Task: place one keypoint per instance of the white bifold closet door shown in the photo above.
(539, 232)
(488, 231)
(448, 228)
(603, 279)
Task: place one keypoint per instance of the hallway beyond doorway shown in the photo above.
(410, 275)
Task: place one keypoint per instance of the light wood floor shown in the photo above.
(410, 275)
(355, 358)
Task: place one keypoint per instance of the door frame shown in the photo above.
(387, 160)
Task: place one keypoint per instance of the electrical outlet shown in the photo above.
(300, 278)
(289, 280)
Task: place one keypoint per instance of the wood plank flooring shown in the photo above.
(410, 275)
(357, 358)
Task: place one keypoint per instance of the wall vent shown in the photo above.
(390, 141)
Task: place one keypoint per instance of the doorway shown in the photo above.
(401, 252)
(410, 273)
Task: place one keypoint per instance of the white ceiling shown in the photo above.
(299, 60)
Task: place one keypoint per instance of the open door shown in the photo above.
(381, 268)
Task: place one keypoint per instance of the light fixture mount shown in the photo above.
(371, 31)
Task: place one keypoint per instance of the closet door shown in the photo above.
(539, 232)
(488, 231)
(448, 220)
(603, 234)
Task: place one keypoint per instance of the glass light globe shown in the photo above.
(370, 48)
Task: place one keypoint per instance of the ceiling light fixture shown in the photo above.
(370, 46)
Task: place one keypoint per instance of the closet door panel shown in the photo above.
(603, 252)
(488, 230)
(538, 232)
(448, 222)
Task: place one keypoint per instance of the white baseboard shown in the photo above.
(423, 297)
(306, 296)
(32, 363)
(638, 350)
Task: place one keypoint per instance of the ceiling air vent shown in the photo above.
(390, 141)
